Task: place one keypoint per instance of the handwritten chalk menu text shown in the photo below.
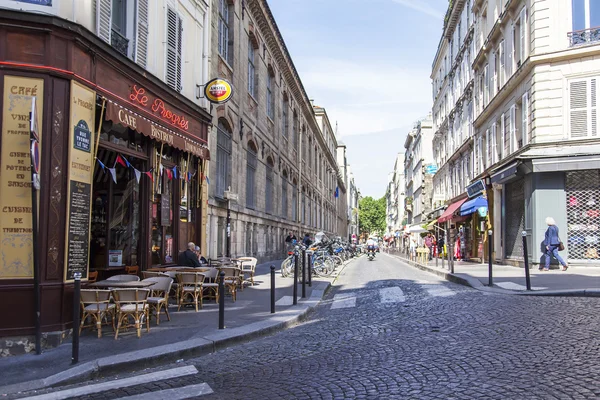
(16, 223)
(81, 169)
(79, 228)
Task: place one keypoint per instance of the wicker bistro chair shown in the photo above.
(150, 274)
(132, 269)
(190, 285)
(248, 267)
(123, 278)
(232, 280)
(210, 286)
(92, 276)
(132, 303)
(159, 296)
(95, 305)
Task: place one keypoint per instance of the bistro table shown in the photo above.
(122, 284)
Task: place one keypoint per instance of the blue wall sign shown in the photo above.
(38, 2)
(82, 137)
(431, 169)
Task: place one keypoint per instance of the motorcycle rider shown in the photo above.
(371, 246)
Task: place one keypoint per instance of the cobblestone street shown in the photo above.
(388, 331)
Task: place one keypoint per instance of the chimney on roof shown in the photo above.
(312, 102)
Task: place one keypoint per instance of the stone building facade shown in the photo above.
(270, 146)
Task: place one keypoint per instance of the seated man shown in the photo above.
(189, 257)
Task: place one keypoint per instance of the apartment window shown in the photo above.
(270, 94)
(586, 14)
(251, 68)
(525, 133)
(223, 180)
(486, 153)
(251, 164)
(284, 116)
(294, 202)
(269, 187)
(284, 195)
(225, 39)
(295, 129)
(583, 108)
(174, 49)
(486, 85)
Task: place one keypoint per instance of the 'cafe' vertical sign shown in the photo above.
(16, 222)
(81, 172)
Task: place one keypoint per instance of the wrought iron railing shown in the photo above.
(585, 36)
(119, 42)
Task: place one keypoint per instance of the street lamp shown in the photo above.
(229, 196)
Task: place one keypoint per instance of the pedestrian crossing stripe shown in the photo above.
(185, 392)
(343, 300)
(516, 286)
(391, 295)
(438, 290)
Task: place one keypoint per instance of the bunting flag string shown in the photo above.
(101, 165)
(113, 172)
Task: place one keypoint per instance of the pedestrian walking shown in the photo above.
(553, 245)
(429, 244)
(413, 248)
(440, 245)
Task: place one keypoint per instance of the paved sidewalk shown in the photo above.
(576, 281)
(188, 333)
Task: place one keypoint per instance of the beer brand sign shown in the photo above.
(218, 91)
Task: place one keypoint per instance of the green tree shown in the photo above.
(371, 215)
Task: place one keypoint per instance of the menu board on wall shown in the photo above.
(16, 223)
(165, 209)
(81, 172)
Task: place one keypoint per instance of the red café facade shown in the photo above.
(122, 160)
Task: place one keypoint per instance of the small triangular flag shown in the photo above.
(189, 176)
(149, 173)
(120, 161)
(207, 181)
(113, 172)
(169, 173)
(175, 172)
(101, 164)
(126, 162)
(137, 175)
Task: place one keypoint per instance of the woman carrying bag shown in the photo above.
(553, 245)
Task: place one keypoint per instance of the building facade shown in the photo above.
(112, 88)
(396, 214)
(270, 146)
(536, 132)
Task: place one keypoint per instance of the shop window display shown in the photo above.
(583, 214)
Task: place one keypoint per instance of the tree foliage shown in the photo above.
(371, 215)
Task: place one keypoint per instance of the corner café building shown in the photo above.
(122, 161)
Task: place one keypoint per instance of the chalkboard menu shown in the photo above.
(165, 209)
(78, 229)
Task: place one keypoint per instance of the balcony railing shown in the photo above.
(119, 42)
(585, 36)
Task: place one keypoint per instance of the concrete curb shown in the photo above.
(141, 359)
(476, 284)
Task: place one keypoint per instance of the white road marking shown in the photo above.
(391, 295)
(343, 300)
(119, 383)
(438, 290)
(186, 392)
(516, 286)
(285, 301)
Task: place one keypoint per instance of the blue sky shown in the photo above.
(368, 63)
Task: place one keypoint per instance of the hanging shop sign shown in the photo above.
(475, 189)
(80, 173)
(218, 91)
(137, 122)
(16, 223)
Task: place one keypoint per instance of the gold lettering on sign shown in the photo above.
(161, 135)
(127, 119)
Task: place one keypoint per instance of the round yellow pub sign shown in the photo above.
(218, 91)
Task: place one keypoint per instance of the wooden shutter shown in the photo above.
(141, 35)
(523, 34)
(525, 119)
(512, 129)
(508, 48)
(174, 28)
(494, 144)
(579, 108)
(104, 19)
(594, 106)
(502, 54)
(487, 160)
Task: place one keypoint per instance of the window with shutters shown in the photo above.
(251, 68)
(223, 180)
(485, 84)
(525, 126)
(225, 33)
(270, 94)
(174, 49)
(251, 165)
(505, 144)
(487, 155)
(512, 132)
(122, 23)
(583, 108)
(284, 116)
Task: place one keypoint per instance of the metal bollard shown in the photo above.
(222, 300)
(310, 269)
(303, 273)
(490, 282)
(76, 322)
(527, 277)
(272, 289)
(296, 277)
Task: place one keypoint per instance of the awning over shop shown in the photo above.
(131, 119)
(431, 225)
(416, 229)
(449, 213)
(473, 205)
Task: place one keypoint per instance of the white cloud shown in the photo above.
(421, 6)
(368, 96)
